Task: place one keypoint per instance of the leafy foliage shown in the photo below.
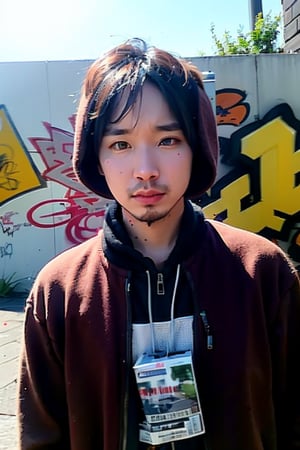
(8, 285)
(262, 39)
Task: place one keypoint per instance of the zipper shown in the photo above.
(124, 427)
(160, 287)
(209, 338)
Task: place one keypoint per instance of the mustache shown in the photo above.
(142, 185)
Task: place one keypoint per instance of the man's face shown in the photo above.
(146, 159)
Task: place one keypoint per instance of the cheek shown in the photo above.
(108, 166)
(105, 163)
(189, 159)
(184, 159)
(112, 168)
(183, 162)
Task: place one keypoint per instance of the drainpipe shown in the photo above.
(255, 7)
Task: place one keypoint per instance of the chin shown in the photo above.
(151, 216)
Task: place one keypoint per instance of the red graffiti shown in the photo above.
(6, 218)
(56, 153)
(79, 210)
(79, 221)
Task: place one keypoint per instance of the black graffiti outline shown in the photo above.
(243, 165)
(8, 168)
(6, 250)
(10, 230)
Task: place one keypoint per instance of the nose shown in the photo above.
(145, 164)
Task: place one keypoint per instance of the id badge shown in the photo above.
(170, 399)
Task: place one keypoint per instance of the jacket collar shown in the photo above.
(119, 250)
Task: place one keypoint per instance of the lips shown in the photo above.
(148, 197)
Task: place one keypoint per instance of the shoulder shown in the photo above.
(73, 279)
(235, 239)
(75, 260)
(242, 240)
(258, 254)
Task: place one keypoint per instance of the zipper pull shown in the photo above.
(160, 284)
(209, 338)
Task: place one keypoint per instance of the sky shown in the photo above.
(36, 30)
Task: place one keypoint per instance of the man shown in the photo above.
(160, 284)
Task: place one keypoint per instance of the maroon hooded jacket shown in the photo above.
(76, 364)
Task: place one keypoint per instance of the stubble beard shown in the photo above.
(151, 215)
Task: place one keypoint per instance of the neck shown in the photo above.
(158, 239)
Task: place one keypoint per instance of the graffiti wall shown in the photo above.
(44, 210)
(258, 186)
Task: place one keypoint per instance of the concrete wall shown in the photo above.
(44, 211)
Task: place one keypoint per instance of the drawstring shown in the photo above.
(172, 325)
(150, 311)
(172, 309)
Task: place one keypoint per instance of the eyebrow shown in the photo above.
(114, 131)
(173, 126)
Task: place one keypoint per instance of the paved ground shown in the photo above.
(11, 325)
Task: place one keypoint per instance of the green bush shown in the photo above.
(8, 285)
(262, 39)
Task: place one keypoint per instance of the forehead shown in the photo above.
(147, 104)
